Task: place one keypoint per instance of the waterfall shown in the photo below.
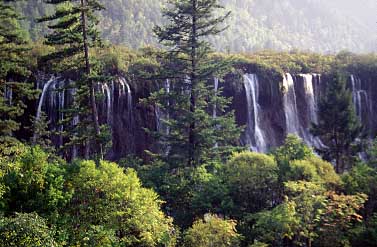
(107, 92)
(122, 93)
(311, 101)
(129, 101)
(216, 89)
(254, 133)
(359, 96)
(310, 97)
(290, 105)
(41, 99)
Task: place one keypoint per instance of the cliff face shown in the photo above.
(269, 106)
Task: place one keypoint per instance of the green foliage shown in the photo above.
(276, 225)
(339, 216)
(195, 136)
(252, 179)
(360, 179)
(365, 234)
(292, 149)
(33, 182)
(310, 215)
(313, 170)
(338, 125)
(73, 34)
(26, 230)
(321, 26)
(109, 204)
(212, 231)
(14, 91)
(372, 153)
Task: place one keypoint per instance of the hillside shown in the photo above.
(316, 25)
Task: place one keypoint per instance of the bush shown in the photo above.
(212, 231)
(25, 230)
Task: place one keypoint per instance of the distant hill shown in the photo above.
(316, 25)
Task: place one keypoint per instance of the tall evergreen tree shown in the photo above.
(195, 135)
(74, 33)
(13, 72)
(338, 125)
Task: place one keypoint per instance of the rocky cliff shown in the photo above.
(269, 106)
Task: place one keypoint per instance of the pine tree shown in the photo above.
(13, 72)
(195, 136)
(74, 33)
(338, 126)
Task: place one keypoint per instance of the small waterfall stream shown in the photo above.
(125, 91)
(311, 102)
(310, 97)
(43, 95)
(290, 106)
(359, 97)
(107, 92)
(254, 133)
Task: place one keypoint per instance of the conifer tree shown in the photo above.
(13, 72)
(338, 126)
(195, 135)
(74, 33)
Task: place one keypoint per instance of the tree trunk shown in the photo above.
(192, 139)
(90, 82)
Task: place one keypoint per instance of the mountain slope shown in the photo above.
(316, 25)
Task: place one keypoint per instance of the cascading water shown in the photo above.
(43, 95)
(290, 106)
(129, 101)
(310, 97)
(125, 91)
(311, 102)
(254, 133)
(107, 92)
(359, 97)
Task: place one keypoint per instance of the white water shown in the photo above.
(41, 99)
(255, 135)
(290, 105)
(310, 97)
(311, 102)
(122, 93)
(107, 92)
(359, 96)
(129, 100)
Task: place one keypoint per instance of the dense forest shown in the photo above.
(319, 26)
(123, 125)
